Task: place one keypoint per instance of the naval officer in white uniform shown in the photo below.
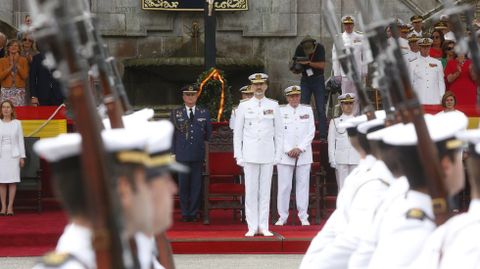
(341, 155)
(247, 93)
(354, 41)
(426, 74)
(256, 147)
(298, 130)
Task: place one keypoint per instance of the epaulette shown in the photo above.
(272, 100)
(56, 259)
(244, 100)
(416, 213)
(359, 32)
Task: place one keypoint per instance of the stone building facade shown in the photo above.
(160, 50)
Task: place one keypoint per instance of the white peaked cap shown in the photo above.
(124, 139)
(160, 134)
(59, 148)
(440, 127)
(132, 120)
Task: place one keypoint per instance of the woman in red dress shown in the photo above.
(436, 49)
(458, 76)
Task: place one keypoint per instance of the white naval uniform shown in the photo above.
(397, 238)
(419, 34)
(77, 241)
(298, 132)
(341, 155)
(231, 122)
(428, 81)
(404, 46)
(360, 196)
(455, 243)
(336, 222)
(255, 139)
(357, 43)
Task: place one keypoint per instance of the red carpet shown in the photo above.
(32, 234)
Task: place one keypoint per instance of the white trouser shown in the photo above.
(258, 181)
(342, 171)
(302, 182)
(349, 87)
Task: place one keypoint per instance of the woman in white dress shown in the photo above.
(12, 155)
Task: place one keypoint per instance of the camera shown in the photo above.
(295, 66)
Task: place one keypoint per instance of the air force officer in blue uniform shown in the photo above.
(192, 130)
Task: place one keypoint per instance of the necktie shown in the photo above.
(191, 114)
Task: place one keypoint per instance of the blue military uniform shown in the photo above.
(189, 149)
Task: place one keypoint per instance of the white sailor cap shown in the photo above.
(355, 121)
(295, 89)
(407, 136)
(159, 144)
(258, 78)
(380, 134)
(133, 119)
(379, 120)
(58, 148)
(469, 136)
(127, 145)
(346, 97)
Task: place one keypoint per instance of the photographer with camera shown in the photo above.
(309, 60)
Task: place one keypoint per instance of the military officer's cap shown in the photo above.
(346, 98)
(472, 138)
(133, 119)
(59, 148)
(352, 123)
(292, 90)
(407, 136)
(413, 37)
(416, 18)
(306, 39)
(425, 42)
(258, 78)
(348, 19)
(158, 146)
(192, 88)
(126, 145)
(246, 89)
(441, 25)
(404, 28)
(379, 134)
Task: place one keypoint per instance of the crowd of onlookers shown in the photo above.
(24, 79)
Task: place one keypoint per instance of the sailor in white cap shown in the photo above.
(337, 223)
(354, 41)
(298, 130)
(454, 244)
(402, 231)
(357, 200)
(341, 155)
(256, 147)
(247, 93)
(426, 74)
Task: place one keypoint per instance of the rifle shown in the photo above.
(57, 32)
(412, 111)
(114, 96)
(347, 59)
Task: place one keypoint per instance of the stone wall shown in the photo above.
(269, 30)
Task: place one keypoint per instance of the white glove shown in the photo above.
(240, 162)
(333, 165)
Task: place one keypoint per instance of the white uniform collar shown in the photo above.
(77, 240)
(144, 250)
(188, 109)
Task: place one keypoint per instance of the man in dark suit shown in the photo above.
(44, 88)
(192, 130)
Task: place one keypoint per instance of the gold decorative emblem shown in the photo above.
(194, 5)
(190, 88)
(258, 76)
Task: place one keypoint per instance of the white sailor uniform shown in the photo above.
(427, 78)
(256, 138)
(298, 131)
(341, 155)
